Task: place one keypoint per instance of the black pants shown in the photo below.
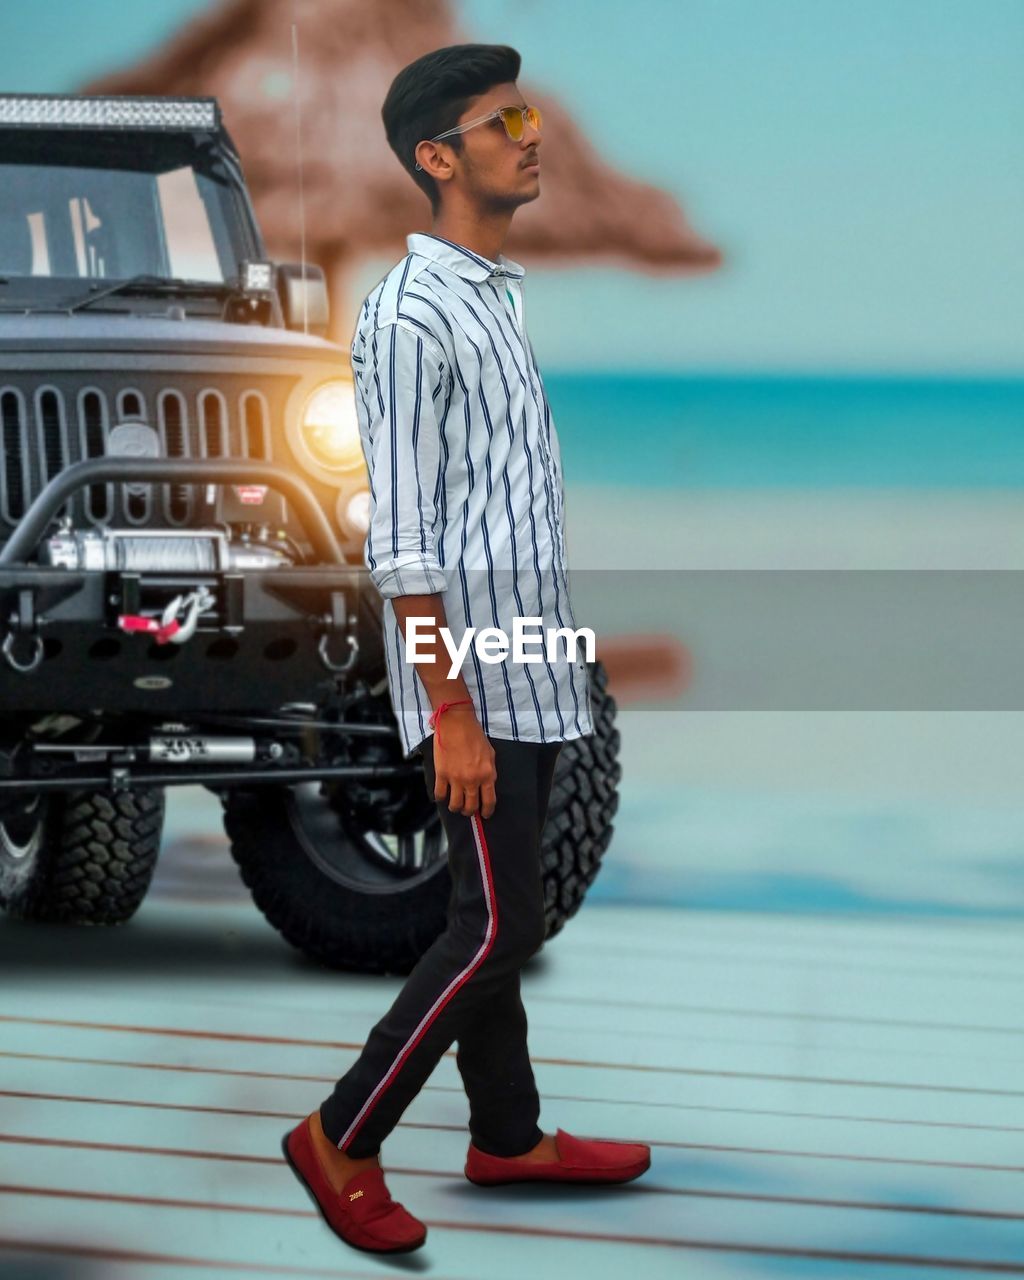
(465, 987)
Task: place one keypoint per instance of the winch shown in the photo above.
(159, 550)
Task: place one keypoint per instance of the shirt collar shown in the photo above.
(463, 261)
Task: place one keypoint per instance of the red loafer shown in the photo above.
(363, 1213)
(580, 1160)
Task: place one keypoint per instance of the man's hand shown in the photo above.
(464, 762)
(463, 756)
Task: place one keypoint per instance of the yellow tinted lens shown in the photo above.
(533, 118)
(512, 118)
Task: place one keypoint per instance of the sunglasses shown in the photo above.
(515, 120)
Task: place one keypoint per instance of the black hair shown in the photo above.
(428, 96)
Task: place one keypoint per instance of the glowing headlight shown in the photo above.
(330, 428)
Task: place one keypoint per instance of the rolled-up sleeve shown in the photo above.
(398, 376)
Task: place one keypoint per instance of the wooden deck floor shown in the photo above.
(823, 1098)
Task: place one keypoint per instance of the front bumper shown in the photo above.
(270, 637)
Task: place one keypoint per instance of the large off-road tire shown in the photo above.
(355, 899)
(339, 894)
(81, 858)
(584, 799)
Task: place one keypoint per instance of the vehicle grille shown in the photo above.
(46, 426)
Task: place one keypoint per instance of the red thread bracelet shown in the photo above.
(433, 721)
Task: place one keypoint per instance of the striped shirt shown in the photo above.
(466, 494)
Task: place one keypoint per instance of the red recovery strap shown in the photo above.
(162, 632)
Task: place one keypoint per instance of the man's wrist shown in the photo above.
(453, 706)
(446, 709)
(465, 708)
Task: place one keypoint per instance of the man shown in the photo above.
(466, 531)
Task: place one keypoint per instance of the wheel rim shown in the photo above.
(21, 831)
(368, 861)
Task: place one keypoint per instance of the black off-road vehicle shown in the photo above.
(183, 597)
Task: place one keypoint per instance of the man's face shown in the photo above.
(491, 168)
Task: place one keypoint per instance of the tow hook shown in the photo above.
(332, 623)
(191, 607)
(23, 625)
(24, 668)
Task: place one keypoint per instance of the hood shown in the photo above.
(85, 334)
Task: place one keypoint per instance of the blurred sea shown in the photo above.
(709, 431)
(845, 811)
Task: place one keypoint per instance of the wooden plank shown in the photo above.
(821, 1100)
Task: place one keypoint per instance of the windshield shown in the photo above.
(91, 207)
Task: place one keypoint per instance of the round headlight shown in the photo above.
(329, 427)
(354, 511)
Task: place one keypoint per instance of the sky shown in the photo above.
(861, 166)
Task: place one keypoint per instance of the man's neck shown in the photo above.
(484, 235)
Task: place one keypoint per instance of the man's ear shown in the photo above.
(432, 160)
(426, 155)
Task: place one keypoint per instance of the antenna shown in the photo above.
(298, 154)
